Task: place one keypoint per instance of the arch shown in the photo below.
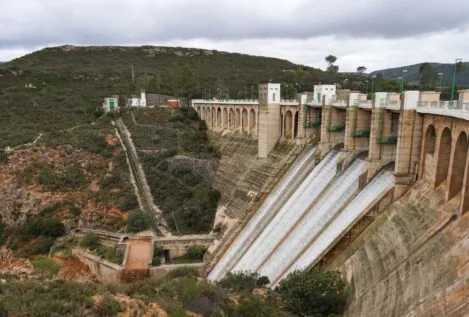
(207, 116)
(231, 119)
(459, 165)
(244, 120)
(201, 113)
(213, 120)
(219, 117)
(225, 118)
(295, 125)
(288, 124)
(428, 152)
(444, 154)
(237, 118)
(252, 121)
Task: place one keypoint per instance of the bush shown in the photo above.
(75, 211)
(196, 252)
(244, 281)
(107, 306)
(253, 307)
(41, 246)
(313, 293)
(46, 264)
(138, 220)
(90, 241)
(50, 227)
(3, 157)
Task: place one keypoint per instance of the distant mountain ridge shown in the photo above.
(413, 73)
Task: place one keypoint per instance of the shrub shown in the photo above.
(138, 220)
(3, 157)
(75, 211)
(253, 307)
(41, 246)
(90, 241)
(313, 293)
(182, 272)
(50, 227)
(244, 281)
(196, 252)
(46, 264)
(107, 306)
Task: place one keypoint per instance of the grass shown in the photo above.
(46, 265)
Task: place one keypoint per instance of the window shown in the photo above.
(273, 97)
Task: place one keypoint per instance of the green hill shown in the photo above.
(57, 88)
(413, 73)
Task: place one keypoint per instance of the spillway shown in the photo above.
(315, 218)
(342, 221)
(264, 214)
(289, 213)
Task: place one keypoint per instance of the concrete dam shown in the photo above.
(380, 192)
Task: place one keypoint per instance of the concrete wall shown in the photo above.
(104, 270)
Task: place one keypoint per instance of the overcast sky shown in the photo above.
(374, 33)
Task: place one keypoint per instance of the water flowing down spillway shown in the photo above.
(315, 218)
(289, 213)
(341, 222)
(264, 214)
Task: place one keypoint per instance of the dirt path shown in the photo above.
(139, 254)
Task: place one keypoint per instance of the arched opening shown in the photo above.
(218, 118)
(231, 116)
(459, 165)
(288, 125)
(201, 113)
(428, 152)
(281, 125)
(252, 120)
(444, 154)
(237, 119)
(214, 117)
(295, 127)
(225, 118)
(244, 121)
(207, 116)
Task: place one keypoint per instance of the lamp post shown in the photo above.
(402, 79)
(250, 95)
(209, 95)
(345, 83)
(456, 61)
(373, 84)
(245, 93)
(366, 81)
(441, 80)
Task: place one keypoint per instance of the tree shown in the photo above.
(313, 293)
(331, 59)
(183, 81)
(427, 76)
(138, 220)
(361, 69)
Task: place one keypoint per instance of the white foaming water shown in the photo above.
(261, 218)
(290, 212)
(377, 187)
(331, 201)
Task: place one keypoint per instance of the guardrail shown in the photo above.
(458, 109)
(225, 101)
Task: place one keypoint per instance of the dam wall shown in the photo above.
(386, 203)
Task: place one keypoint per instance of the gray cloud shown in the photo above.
(38, 22)
(375, 33)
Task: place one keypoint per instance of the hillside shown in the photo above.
(413, 73)
(56, 88)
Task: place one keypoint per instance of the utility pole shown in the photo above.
(456, 61)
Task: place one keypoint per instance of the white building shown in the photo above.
(138, 102)
(324, 91)
(111, 104)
